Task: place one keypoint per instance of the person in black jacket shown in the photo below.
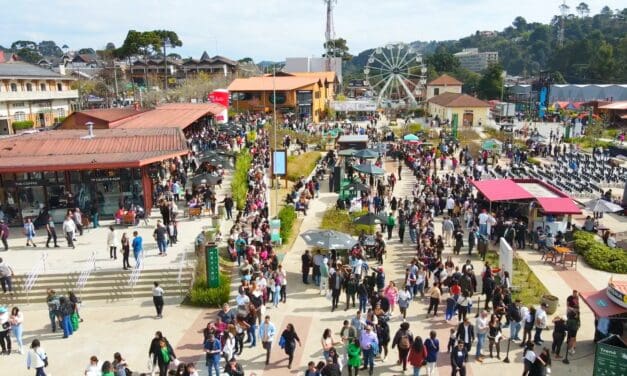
(459, 356)
(306, 262)
(228, 206)
(233, 368)
(465, 335)
(155, 348)
(291, 338)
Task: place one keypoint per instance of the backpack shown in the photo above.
(404, 344)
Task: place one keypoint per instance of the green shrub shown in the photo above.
(301, 165)
(23, 124)
(239, 184)
(342, 221)
(534, 161)
(59, 119)
(203, 296)
(287, 215)
(598, 255)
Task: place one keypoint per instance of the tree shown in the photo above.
(49, 48)
(110, 46)
(602, 65)
(491, 83)
(583, 9)
(86, 51)
(246, 60)
(443, 61)
(520, 23)
(24, 44)
(174, 56)
(337, 48)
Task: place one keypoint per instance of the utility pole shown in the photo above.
(329, 35)
(278, 181)
(166, 41)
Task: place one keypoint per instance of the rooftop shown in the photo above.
(265, 83)
(70, 150)
(22, 69)
(621, 105)
(171, 115)
(457, 100)
(445, 80)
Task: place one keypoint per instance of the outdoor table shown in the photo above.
(561, 251)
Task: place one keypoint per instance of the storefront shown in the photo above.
(115, 168)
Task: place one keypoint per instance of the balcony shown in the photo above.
(37, 95)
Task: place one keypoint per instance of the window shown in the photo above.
(59, 87)
(29, 87)
(18, 104)
(280, 98)
(436, 91)
(13, 87)
(42, 87)
(60, 112)
(19, 116)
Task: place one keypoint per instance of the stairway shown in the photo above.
(101, 285)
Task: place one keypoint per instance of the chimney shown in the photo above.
(90, 129)
(62, 69)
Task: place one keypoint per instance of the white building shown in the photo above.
(443, 84)
(314, 64)
(473, 60)
(31, 93)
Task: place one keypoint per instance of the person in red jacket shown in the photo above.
(417, 355)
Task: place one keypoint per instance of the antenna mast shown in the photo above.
(560, 33)
(329, 34)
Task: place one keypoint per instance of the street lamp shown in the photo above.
(166, 42)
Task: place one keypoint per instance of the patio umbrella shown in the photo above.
(411, 137)
(346, 152)
(370, 219)
(356, 187)
(602, 206)
(369, 169)
(328, 239)
(366, 154)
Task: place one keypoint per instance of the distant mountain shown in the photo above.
(267, 63)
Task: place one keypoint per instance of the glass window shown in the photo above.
(51, 177)
(19, 116)
(13, 87)
(60, 112)
(29, 87)
(57, 197)
(59, 87)
(280, 97)
(42, 87)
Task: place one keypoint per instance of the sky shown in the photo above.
(266, 29)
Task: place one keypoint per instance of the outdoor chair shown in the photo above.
(570, 257)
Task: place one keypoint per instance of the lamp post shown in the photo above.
(276, 189)
(166, 41)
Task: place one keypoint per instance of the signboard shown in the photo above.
(506, 255)
(279, 163)
(610, 357)
(354, 106)
(455, 125)
(213, 266)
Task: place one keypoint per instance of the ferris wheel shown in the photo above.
(396, 73)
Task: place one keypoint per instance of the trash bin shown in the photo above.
(551, 303)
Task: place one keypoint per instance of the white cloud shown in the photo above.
(269, 29)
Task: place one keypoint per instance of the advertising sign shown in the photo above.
(213, 266)
(610, 357)
(279, 163)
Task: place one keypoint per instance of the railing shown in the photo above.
(181, 267)
(38, 95)
(33, 275)
(90, 266)
(137, 271)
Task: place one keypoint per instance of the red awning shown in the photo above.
(501, 190)
(558, 205)
(601, 305)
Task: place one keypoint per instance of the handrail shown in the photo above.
(134, 278)
(33, 275)
(182, 261)
(86, 272)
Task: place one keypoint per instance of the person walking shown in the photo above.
(290, 338)
(78, 220)
(267, 331)
(69, 229)
(494, 336)
(52, 301)
(126, 250)
(112, 243)
(65, 311)
(52, 233)
(213, 349)
(433, 348)
(160, 235)
(138, 248)
(403, 339)
(16, 319)
(391, 222)
(155, 348)
(4, 234)
(466, 335)
(29, 232)
(5, 331)
(417, 355)
(482, 326)
(165, 356)
(119, 364)
(370, 348)
(434, 298)
(157, 299)
(37, 358)
(6, 277)
(559, 333)
(306, 261)
(458, 359)
(354, 357)
(228, 206)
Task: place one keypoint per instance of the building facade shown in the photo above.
(443, 84)
(463, 108)
(473, 60)
(34, 94)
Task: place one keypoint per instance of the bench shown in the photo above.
(195, 212)
(570, 257)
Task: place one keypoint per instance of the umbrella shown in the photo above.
(346, 152)
(366, 154)
(602, 206)
(328, 239)
(370, 219)
(411, 137)
(356, 187)
(369, 169)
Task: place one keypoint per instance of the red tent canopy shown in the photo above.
(501, 190)
(558, 205)
(601, 305)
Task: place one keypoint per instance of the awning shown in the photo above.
(501, 190)
(601, 305)
(558, 205)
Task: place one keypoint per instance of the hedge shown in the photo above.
(598, 255)
(342, 221)
(203, 296)
(287, 215)
(24, 124)
(239, 184)
(301, 165)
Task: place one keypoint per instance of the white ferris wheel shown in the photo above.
(396, 74)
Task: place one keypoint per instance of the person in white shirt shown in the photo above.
(540, 323)
(611, 241)
(157, 299)
(94, 367)
(112, 243)
(69, 228)
(482, 330)
(36, 358)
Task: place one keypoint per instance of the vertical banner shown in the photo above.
(506, 257)
(279, 163)
(455, 123)
(213, 266)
